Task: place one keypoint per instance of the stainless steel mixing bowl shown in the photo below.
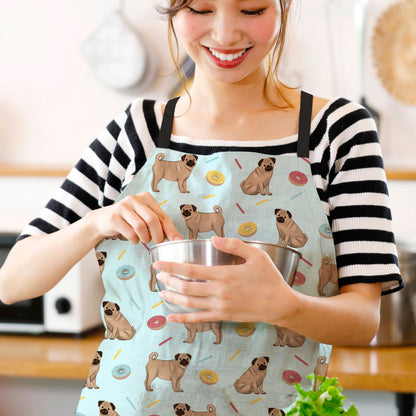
(203, 252)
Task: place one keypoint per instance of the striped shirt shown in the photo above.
(346, 164)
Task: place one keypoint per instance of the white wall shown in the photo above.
(52, 105)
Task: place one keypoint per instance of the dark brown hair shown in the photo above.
(272, 78)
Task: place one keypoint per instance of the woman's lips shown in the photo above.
(227, 58)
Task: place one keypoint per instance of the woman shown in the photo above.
(263, 162)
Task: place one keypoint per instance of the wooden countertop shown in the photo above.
(65, 357)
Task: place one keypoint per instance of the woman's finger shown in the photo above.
(189, 288)
(169, 229)
(234, 246)
(194, 271)
(148, 225)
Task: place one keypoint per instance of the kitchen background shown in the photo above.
(58, 90)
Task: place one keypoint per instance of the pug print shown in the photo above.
(328, 273)
(172, 370)
(107, 408)
(201, 222)
(276, 412)
(178, 171)
(289, 338)
(289, 232)
(92, 374)
(252, 379)
(101, 257)
(320, 372)
(117, 325)
(183, 409)
(193, 328)
(258, 181)
(152, 280)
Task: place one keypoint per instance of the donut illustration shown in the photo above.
(291, 377)
(125, 272)
(208, 377)
(215, 178)
(156, 322)
(297, 178)
(247, 229)
(325, 231)
(120, 372)
(245, 329)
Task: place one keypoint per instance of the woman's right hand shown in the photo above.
(137, 218)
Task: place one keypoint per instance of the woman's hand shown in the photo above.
(253, 291)
(137, 218)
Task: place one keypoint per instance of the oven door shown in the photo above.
(24, 316)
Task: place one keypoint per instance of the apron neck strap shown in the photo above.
(306, 101)
(167, 122)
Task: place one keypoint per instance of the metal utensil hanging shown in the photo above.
(118, 55)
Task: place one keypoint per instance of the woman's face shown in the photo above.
(228, 39)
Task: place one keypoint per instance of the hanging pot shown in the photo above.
(118, 55)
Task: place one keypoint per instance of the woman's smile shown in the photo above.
(227, 58)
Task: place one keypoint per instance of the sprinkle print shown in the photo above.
(121, 255)
(166, 340)
(238, 352)
(300, 359)
(239, 207)
(152, 404)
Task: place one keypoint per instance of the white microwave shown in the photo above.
(72, 306)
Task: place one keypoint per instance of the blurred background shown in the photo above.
(68, 67)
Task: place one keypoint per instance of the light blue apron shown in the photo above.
(146, 366)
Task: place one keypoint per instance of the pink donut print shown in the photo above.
(156, 322)
(297, 178)
(299, 279)
(291, 377)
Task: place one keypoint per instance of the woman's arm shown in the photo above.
(255, 291)
(37, 263)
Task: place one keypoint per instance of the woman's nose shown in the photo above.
(226, 30)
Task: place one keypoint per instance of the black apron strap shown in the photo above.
(305, 116)
(167, 122)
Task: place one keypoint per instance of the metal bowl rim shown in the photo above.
(205, 241)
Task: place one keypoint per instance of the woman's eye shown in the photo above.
(191, 10)
(253, 12)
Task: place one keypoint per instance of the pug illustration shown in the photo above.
(258, 181)
(107, 409)
(92, 374)
(252, 379)
(152, 281)
(172, 370)
(287, 337)
(101, 257)
(201, 222)
(289, 232)
(183, 409)
(193, 328)
(320, 372)
(117, 325)
(178, 171)
(276, 412)
(328, 273)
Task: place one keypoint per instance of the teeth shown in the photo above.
(227, 57)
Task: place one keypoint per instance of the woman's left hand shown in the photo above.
(253, 291)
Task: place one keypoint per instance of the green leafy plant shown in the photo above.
(327, 400)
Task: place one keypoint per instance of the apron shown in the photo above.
(148, 367)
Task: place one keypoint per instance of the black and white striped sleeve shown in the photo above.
(358, 200)
(98, 178)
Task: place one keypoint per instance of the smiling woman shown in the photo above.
(269, 26)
